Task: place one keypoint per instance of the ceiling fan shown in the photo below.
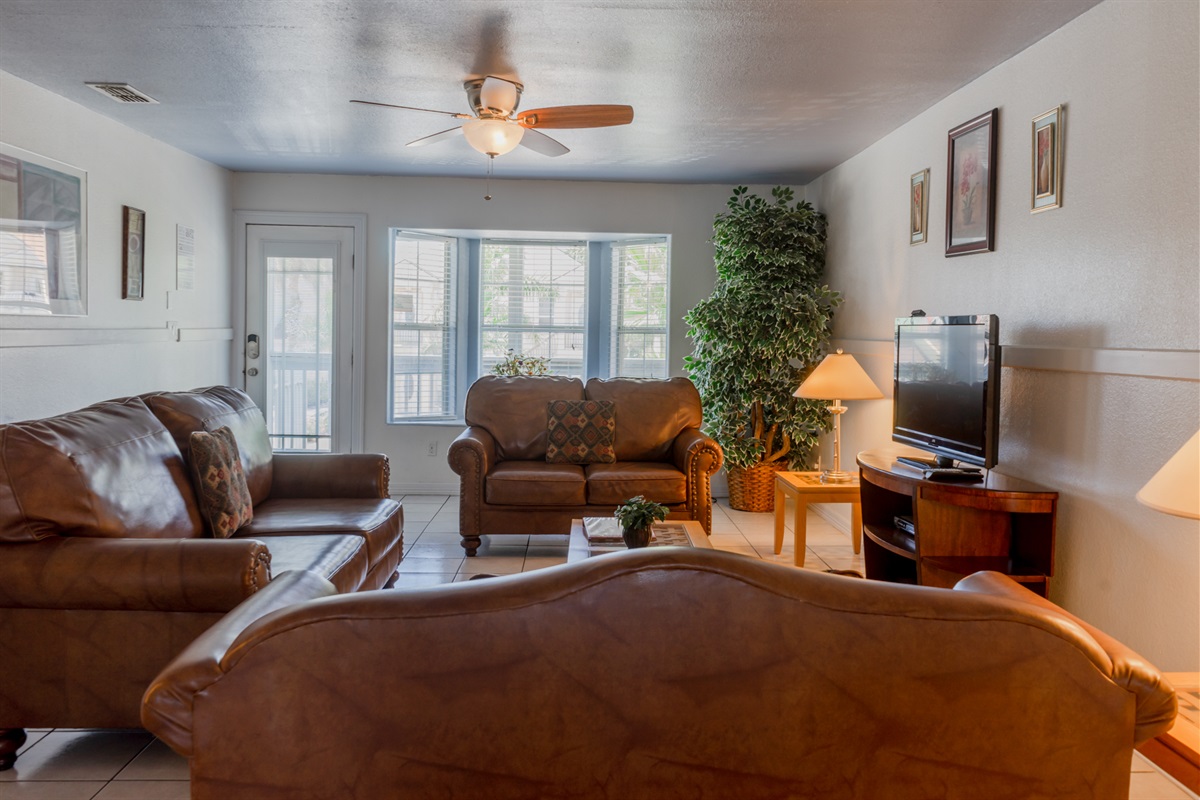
(494, 130)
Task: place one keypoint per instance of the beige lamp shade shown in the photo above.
(838, 377)
(1175, 489)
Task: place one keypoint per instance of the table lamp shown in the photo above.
(1175, 489)
(838, 377)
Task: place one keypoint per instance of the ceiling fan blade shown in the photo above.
(499, 94)
(541, 143)
(576, 117)
(412, 108)
(435, 137)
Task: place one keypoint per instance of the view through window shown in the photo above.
(592, 307)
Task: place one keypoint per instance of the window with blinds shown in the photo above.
(638, 331)
(423, 335)
(593, 307)
(533, 301)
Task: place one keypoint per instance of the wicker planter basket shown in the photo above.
(753, 488)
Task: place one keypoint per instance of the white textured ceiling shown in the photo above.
(769, 91)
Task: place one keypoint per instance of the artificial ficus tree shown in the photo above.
(764, 327)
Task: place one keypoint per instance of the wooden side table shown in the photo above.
(805, 488)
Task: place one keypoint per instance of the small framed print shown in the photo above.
(1046, 182)
(133, 263)
(971, 186)
(918, 207)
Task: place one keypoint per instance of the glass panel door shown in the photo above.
(295, 365)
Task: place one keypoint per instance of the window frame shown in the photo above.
(599, 337)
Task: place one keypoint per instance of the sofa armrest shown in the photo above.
(471, 456)
(132, 574)
(1154, 697)
(364, 475)
(167, 704)
(698, 456)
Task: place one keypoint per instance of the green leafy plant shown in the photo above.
(764, 327)
(638, 512)
(514, 364)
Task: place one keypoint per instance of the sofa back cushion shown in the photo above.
(214, 407)
(513, 410)
(111, 469)
(650, 413)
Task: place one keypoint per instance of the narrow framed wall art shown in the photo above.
(133, 263)
(1047, 150)
(918, 207)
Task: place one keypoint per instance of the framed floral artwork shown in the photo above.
(1046, 182)
(918, 207)
(971, 186)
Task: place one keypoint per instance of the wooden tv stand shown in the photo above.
(1000, 523)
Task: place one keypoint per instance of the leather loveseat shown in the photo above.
(507, 486)
(106, 570)
(659, 673)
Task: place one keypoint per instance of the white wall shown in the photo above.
(121, 347)
(1076, 288)
(684, 212)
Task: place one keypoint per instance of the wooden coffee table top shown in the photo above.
(679, 533)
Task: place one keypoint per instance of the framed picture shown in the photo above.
(133, 266)
(43, 224)
(971, 186)
(1046, 182)
(918, 207)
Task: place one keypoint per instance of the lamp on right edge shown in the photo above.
(838, 377)
(1175, 489)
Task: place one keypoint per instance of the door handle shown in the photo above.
(252, 346)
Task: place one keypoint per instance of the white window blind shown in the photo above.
(424, 335)
(533, 300)
(638, 332)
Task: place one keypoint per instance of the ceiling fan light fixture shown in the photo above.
(493, 137)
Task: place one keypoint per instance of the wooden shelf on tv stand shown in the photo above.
(1000, 523)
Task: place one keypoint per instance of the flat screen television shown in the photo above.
(947, 387)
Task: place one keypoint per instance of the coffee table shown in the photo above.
(805, 488)
(679, 533)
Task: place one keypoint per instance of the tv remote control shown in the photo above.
(952, 474)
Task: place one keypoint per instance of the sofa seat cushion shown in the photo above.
(108, 470)
(339, 558)
(612, 484)
(376, 520)
(535, 483)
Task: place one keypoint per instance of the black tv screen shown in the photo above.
(947, 387)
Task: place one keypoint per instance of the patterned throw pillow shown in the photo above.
(581, 431)
(220, 482)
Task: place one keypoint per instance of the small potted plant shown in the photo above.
(517, 364)
(636, 515)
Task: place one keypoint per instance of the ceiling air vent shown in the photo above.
(122, 93)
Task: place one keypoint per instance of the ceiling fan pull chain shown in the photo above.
(491, 160)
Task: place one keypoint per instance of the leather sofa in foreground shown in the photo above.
(107, 571)
(507, 485)
(659, 673)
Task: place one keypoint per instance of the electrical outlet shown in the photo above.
(432, 449)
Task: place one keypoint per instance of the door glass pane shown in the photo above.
(299, 348)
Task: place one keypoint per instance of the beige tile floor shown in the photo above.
(132, 765)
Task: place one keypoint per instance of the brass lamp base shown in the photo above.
(837, 476)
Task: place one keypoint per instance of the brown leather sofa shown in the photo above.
(106, 571)
(661, 673)
(507, 486)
